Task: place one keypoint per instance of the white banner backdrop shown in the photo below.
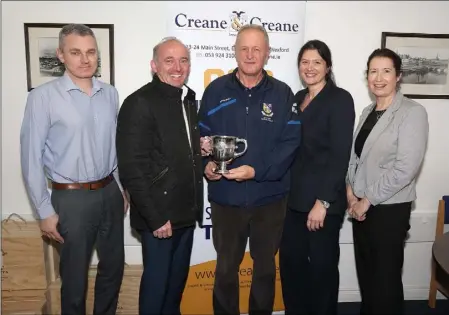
(209, 30)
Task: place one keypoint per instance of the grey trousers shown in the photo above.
(88, 218)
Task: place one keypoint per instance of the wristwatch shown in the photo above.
(325, 204)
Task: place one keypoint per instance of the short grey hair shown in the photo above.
(256, 27)
(165, 40)
(77, 29)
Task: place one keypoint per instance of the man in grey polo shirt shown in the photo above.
(68, 138)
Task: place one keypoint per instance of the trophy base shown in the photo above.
(217, 171)
(221, 168)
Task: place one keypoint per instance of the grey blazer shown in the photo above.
(392, 154)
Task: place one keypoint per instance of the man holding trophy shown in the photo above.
(253, 133)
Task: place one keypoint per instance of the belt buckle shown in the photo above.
(89, 187)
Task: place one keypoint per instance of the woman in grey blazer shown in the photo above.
(388, 149)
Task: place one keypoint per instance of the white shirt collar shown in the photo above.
(184, 91)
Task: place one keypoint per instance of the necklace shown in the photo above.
(379, 113)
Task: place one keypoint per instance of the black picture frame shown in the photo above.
(425, 63)
(42, 39)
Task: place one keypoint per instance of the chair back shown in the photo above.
(442, 216)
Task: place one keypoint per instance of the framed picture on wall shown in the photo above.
(425, 63)
(42, 64)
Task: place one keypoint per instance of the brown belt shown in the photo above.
(89, 186)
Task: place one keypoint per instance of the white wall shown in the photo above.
(351, 29)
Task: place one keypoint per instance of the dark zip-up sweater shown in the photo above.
(263, 115)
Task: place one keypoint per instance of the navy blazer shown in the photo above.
(320, 167)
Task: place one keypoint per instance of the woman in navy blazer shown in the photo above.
(309, 251)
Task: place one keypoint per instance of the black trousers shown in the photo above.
(88, 218)
(379, 255)
(166, 264)
(231, 228)
(309, 265)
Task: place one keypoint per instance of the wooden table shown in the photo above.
(440, 250)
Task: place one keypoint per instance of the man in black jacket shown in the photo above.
(159, 158)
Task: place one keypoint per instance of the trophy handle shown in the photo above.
(237, 154)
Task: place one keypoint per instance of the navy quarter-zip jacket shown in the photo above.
(267, 118)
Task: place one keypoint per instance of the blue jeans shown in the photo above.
(166, 264)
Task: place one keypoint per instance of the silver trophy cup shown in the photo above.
(223, 150)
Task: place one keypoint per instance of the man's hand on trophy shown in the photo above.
(206, 146)
(209, 171)
(241, 173)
